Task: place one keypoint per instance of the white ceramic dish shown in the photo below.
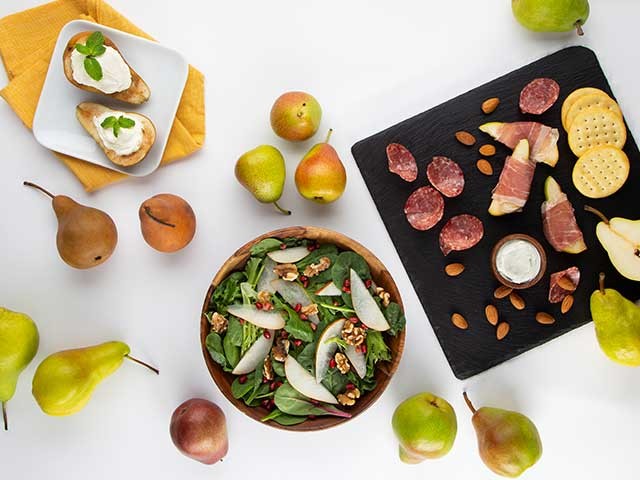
(55, 125)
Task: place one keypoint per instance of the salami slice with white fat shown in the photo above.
(539, 96)
(556, 293)
(402, 162)
(461, 233)
(446, 176)
(424, 208)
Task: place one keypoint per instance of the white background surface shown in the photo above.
(370, 63)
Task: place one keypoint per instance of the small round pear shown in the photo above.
(168, 222)
(199, 430)
(295, 116)
(551, 15)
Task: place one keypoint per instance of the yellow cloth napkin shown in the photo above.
(27, 40)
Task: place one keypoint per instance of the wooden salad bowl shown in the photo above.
(384, 371)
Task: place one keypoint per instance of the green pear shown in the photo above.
(617, 323)
(320, 175)
(621, 239)
(262, 171)
(551, 15)
(425, 426)
(508, 441)
(64, 381)
(295, 116)
(19, 341)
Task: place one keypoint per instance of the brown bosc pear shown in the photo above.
(86, 236)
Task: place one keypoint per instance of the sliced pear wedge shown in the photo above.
(325, 350)
(255, 355)
(358, 360)
(267, 276)
(329, 290)
(289, 255)
(365, 306)
(305, 383)
(294, 294)
(271, 320)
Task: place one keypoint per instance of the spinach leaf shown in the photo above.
(395, 317)
(294, 325)
(252, 270)
(334, 381)
(231, 351)
(327, 250)
(295, 242)
(292, 402)
(227, 293)
(377, 349)
(278, 368)
(216, 350)
(234, 331)
(284, 419)
(345, 262)
(256, 383)
(239, 390)
(265, 246)
(307, 357)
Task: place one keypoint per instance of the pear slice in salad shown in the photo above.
(358, 360)
(271, 320)
(365, 306)
(267, 276)
(325, 349)
(329, 290)
(289, 255)
(305, 383)
(255, 355)
(294, 294)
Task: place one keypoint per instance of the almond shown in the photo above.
(490, 105)
(502, 291)
(544, 318)
(485, 167)
(491, 312)
(454, 269)
(502, 330)
(517, 301)
(567, 303)
(459, 321)
(566, 284)
(487, 150)
(466, 138)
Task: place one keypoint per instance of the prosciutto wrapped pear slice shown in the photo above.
(543, 140)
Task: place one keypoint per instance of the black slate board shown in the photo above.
(432, 133)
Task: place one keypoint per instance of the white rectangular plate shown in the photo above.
(55, 125)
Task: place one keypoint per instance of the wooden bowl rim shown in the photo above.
(324, 422)
(543, 261)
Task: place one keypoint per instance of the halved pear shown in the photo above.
(266, 277)
(294, 294)
(86, 112)
(305, 383)
(329, 290)
(325, 350)
(269, 319)
(365, 306)
(358, 360)
(255, 355)
(289, 255)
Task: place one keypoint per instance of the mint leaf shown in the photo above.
(116, 129)
(83, 49)
(96, 39)
(93, 68)
(108, 122)
(125, 122)
(99, 50)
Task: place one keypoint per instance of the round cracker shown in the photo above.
(601, 171)
(596, 127)
(593, 100)
(575, 95)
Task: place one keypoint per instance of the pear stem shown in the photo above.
(29, 184)
(468, 402)
(281, 210)
(579, 29)
(601, 283)
(598, 213)
(328, 135)
(4, 416)
(140, 362)
(147, 210)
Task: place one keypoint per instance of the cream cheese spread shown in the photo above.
(518, 261)
(116, 75)
(128, 140)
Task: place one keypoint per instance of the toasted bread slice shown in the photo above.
(137, 93)
(87, 111)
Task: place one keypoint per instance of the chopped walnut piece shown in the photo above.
(286, 271)
(317, 268)
(353, 335)
(311, 309)
(218, 323)
(342, 363)
(280, 350)
(267, 369)
(349, 398)
(384, 296)
(264, 297)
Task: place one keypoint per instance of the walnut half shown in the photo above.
(348, 398)
(218, 323)
(317, 268)
(286, 271)
(342, 363)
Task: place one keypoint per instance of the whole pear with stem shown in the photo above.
(86, 236)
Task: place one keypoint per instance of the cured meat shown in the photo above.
(556, 293)
(424, 208)
(513, 188)
(446, 175)
(461, 233)
(539, 96)
(543, 140)
(559, 221)
(402, 162)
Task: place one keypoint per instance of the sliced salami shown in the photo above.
(446, 176)
(556, 292)
(402, 162)
(539, 96)
(461, 233)
(424, 208)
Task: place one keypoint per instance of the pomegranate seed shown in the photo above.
(265, 380)
(267, 334)
(363, 348)
(332, 363)
(353, 320)
(303, 278)
(311, 248)
(347, 283)
(364, 327)
(298, 307)
(297, 343)
(305, 284)
(272, 386)
(259, 306)
(368, 283)
(313, 326)
(284, 334)
(278, 384)
(303, 317)
(346, 289)
(272, 403)
(242, 379)
(350, 386)
(283, 246)
(311, 417)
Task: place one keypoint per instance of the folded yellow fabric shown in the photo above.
(27, 40)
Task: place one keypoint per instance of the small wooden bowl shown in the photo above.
(384, 371)
(543, 261)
